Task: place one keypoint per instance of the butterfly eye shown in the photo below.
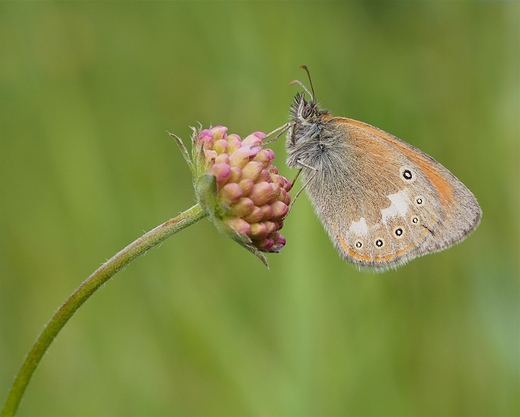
(306, 111)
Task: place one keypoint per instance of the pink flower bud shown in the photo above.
(219, 132)
(280, 210)
(265, 156)
(220, 146)
(255, 216)
(259, 231)
(243, 155)
(222, 172)
(254, 139)
(243, 207)
(240, 226)
(261, 193)
(222, 159)
(247, 185)
(236, 174)
(243, 194)
(231, 192)
(267, 211)
(252, 169)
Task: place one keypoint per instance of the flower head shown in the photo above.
(239, 188)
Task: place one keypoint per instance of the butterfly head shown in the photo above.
(303, 111)
(305, 114)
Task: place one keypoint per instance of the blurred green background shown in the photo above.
(198, 326)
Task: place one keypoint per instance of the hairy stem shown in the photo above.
(85, 290)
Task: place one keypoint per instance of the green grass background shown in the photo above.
(198, 326)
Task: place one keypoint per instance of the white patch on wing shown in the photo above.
(399, 205)
(359, 228)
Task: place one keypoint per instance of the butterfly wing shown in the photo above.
(382, 201)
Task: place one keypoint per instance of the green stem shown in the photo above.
(85, 290)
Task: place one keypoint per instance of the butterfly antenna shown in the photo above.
(302, 86)
(304, 67)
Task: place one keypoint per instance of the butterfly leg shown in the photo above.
(279, 132)
(314, 172)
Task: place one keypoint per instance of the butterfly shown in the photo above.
(382, 201)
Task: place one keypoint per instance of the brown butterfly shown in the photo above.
(382, 201)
